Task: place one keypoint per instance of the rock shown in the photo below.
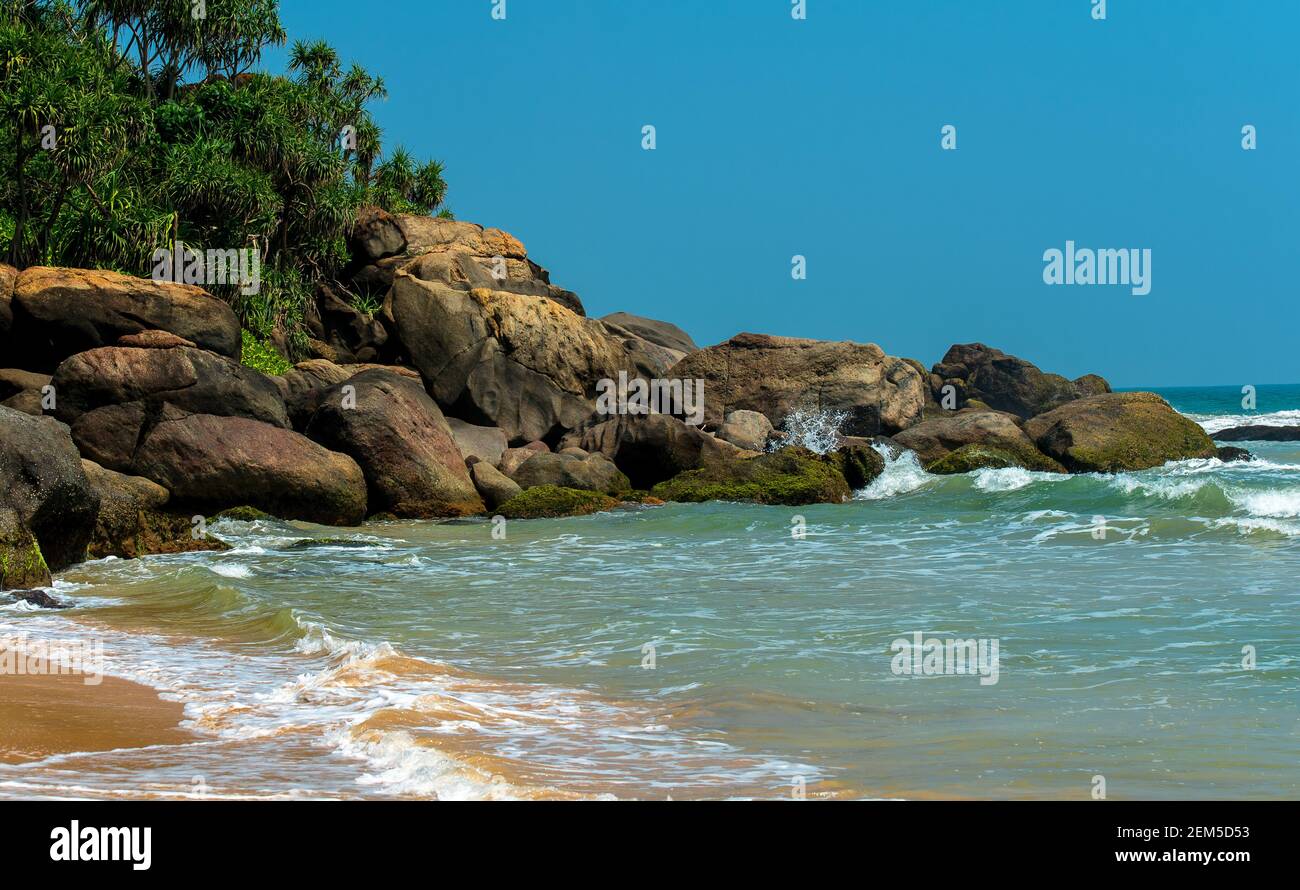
(37, 598)
(792, 477)
(972, 457)
(193, 380)
(42, 481)
(776, 376)
(61, 312)
(1258, 432)
(1229, 454)
(937, 438)
(513, 458)
(521, 363)
(376, 235)
(859, 464)
(8, 276)
(21, 563)
(210, 462)
(401, 441)
(495, 486)
(550, 501)
(487, 443)
(22, 390)
(1117, 432)
(652, 448)
(746, 429)
(660, 333)
(133, 520)
(592, 473)
(352, 334)
(154, 340)
(1006, 383)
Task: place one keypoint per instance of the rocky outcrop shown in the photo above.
(860, 464)
(524, 364)
(776, 376)
(486, 443)
(401, 441)
(352, 335)
(22, 565)
(791, 477)
(193, 380)
(8, 276)
(935, 439)
(1258, 432)
(652, 448)
(654, 346)
(22, 390)
(210, 463)
(43, 483)
(746, 429)
(1005, 383)
(495, 486)
(60, 312)
(301, 386)
(1117, 432)
(551, 502)
(593, 472)
(513, 458)
(1230, 454)
(134, 520)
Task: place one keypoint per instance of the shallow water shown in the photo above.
(705, 651)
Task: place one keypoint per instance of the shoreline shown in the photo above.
(42, 715)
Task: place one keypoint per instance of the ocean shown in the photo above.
(1146, 624)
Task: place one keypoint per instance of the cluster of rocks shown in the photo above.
(127, 416)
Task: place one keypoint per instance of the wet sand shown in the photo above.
(48, 714)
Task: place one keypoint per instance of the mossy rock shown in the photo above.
(243, 514)
(975, 456)
(22, 565)
(552, 501)
(860, 464)
(791, 477)
(1118, 432)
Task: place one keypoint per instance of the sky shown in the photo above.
(821, 138)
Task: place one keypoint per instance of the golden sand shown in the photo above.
(49, 714)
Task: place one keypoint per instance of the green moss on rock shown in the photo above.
(22, 565)
(1118, 432)
(978, 457)
(552, 501)
(243, 514)
(791, 477)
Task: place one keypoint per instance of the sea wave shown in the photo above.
(1213, 423)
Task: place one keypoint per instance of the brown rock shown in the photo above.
(936, 438)
(154, 340)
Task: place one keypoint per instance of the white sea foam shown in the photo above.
(1213, 423)
(902, 474)
(231, 570)
(1011, 478)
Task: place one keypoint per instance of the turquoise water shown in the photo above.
(706, 651)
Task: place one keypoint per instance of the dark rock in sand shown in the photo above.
(1258, 432)
(778, 375)
(1118, 432)
(401, 441)
(60, 312)
(37, 598)
(42, 481)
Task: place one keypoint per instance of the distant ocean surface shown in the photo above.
(703, 651)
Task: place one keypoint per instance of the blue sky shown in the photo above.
(821, 137)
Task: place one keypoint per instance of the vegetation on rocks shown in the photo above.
(552, 501)
(260, 356)
(791, 477)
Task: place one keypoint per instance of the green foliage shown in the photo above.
(260, 356)
(126, 123)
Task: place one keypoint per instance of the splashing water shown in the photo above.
(818, 431)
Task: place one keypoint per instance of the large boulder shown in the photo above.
(22, 565)
(791, 477)
(134, 519)
(654, 346)
(60, 312)
(777, 376)
(42, 481)
(210, 463)
(937, 438)
(593, 472)
(194, 380)
(1118, 432)
(650, 448)
(522, 363)
(1007, 383)
(487, 443)
(401, 441)
(495, 486)
(746, 429)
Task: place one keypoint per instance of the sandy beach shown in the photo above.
(41, 715)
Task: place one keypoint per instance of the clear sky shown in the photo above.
(778, 137)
